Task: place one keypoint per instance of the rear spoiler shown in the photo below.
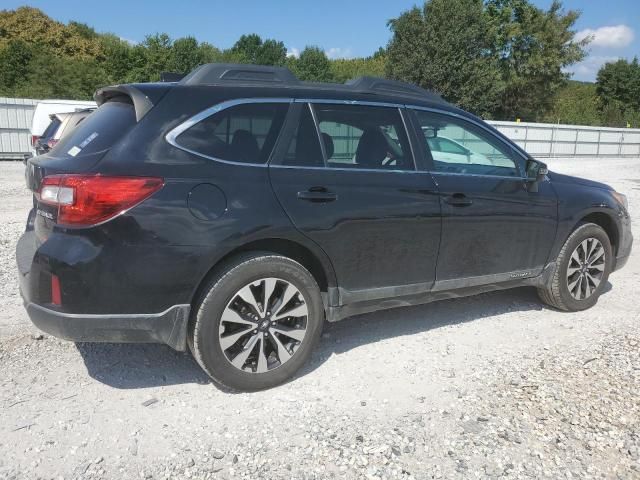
(142, 96)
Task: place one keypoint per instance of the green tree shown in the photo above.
(312, 65)
(252, 49)
(618, 84)
(447, 46)
(118, 58)
(273, 52)
(83, 30)
(34, 27)
(534, 48)
(157, 54)
(209, 53)
(346, 69)
(185, 55)
(48, 76)
(14, 63)
(577, 103)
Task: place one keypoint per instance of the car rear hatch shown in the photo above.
(77, 155)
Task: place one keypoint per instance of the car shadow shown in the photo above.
(139, 365)
(131, 366)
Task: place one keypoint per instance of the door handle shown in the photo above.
(317, 195)
(458, 200)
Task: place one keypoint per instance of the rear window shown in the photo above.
(51, 129)
(98, 132)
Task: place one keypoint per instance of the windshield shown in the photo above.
(98, 132)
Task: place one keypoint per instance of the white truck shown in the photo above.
(45, 108)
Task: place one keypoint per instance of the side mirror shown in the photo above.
(429, 132)
(536, 173)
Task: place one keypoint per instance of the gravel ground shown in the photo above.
(485, 387)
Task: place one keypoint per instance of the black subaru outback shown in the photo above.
(234, 211)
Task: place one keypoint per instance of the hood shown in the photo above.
(559, 178)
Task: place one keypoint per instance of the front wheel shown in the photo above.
(257, 322)
(582, 270)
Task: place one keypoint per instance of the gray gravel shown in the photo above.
(486, 387)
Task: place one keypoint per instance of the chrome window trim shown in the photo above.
(342, 169)
(503, 177)
(173, 134)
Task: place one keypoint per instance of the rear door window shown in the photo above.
(243, 133)
(364, 137)
(99, 131)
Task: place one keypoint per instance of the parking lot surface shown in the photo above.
(492, 386)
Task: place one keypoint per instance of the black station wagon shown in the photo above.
(236, 210)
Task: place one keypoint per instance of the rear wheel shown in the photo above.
(257, 322)
(582, 270)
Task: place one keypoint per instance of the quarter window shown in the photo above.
(366, 137)
(458, 146)
(244, 133)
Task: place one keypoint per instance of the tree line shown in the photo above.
(501, 59)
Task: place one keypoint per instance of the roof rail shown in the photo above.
(382, 85)
(224, 72)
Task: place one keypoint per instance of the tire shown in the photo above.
(557, 292)
(232, 303)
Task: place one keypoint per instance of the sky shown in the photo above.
(343, 28)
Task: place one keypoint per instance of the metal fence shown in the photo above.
(550, 140)
(15, 124)
(539, 139)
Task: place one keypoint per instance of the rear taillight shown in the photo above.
(34, 140)
(85, 200)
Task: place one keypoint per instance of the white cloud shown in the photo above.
(332, 53)
(337, 52)
(607, 37)
(130, 42)
(587, 70)
(293, 52)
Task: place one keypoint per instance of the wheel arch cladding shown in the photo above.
(607, 223)
(323, 274)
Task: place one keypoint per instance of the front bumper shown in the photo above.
(621, 262)
(169, 327)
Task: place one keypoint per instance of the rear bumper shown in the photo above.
(169, 327)
(34, 268)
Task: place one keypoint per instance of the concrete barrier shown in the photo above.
(15, 122)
